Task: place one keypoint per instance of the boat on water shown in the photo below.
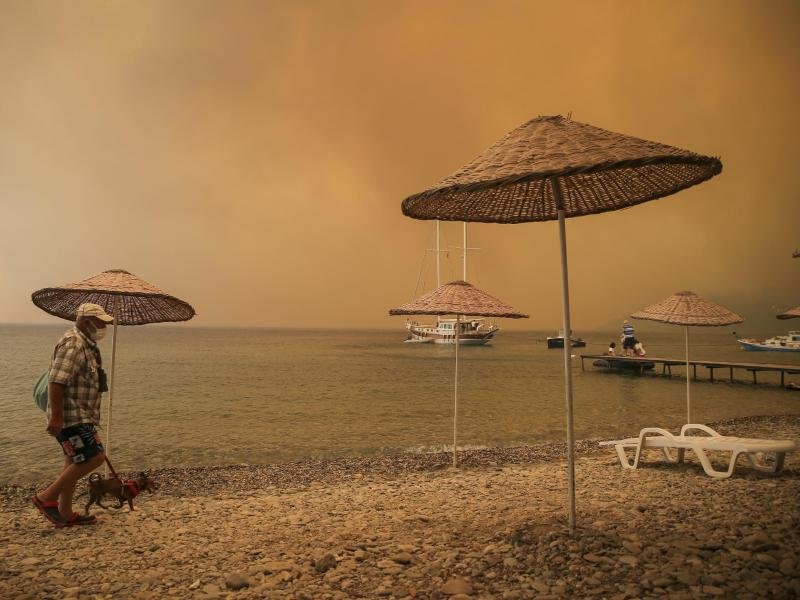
(473, 332)
(779, 343)
(558, 341)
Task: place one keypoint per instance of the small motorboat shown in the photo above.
(558, 341)
(779, 343)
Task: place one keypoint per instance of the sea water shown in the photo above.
(195, 396)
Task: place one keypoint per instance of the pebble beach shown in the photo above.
(409, 526)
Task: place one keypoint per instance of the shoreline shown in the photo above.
(405, 527)
(206, 480)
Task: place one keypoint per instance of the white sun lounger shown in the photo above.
(753, 449)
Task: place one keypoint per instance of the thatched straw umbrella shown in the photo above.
(457, 298)
(553, 168)
(688, 309)
(792, 313)
(126, 297)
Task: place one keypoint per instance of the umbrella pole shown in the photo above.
(107, 445)
(455, 396)
(562, 235)
(688, 395)
(464, 266)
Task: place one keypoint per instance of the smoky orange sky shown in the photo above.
(251, 157)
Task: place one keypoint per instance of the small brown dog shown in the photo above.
(124, 491)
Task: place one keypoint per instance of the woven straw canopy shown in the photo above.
(792, 313)
(137, 302)
(597, 171)
(687, 308)
(458, 298)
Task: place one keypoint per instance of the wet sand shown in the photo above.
(408, 526)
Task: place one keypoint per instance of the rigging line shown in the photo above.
(419, 274)
(422, 268)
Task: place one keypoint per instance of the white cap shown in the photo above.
(93, 310)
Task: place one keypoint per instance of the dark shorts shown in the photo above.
(629, 342)
(80, 442)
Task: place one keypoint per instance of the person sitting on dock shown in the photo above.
(638, 349)
(612, 349)
(628, 339)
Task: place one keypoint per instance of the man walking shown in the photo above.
(75, 385)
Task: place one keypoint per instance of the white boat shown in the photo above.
(779, 343)
(473, 332)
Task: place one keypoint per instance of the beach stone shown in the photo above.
(325, 563)
(766, 559)
(631, 561)
(593, 558)
(713, 590)
(195, 584)
(30, 561)
(766, 547)
(211, 589)
(276, 566)
(786, 567)
(687, 578)
(456, 586)
(403, 558)
(237, 581)
(540, 586)
(751, 541)
(632, 547)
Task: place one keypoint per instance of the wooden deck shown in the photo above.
(710, 365)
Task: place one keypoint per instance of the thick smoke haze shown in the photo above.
(251, 157)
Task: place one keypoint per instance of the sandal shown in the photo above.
(50, 511)
(78, 519)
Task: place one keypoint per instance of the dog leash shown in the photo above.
(113, 472)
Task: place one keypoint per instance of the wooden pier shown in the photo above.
(632, 362)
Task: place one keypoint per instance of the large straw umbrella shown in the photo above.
(457, 298)
(792, 313)
(126, 297)
(554, 168)
(688, 309)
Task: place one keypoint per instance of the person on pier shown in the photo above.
(628, 339)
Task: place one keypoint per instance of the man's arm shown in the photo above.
(55, 398)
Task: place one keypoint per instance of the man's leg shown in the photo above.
(63, 488)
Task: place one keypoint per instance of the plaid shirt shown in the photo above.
(75, 364)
